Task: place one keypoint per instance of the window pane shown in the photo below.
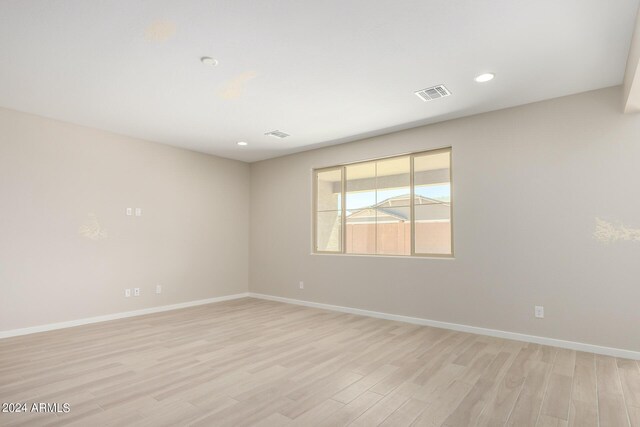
(431, 178)
(393, 231)
(329, 231)
(393, 180)
(432, 209)
(433, 228)
(329, 190)
(361, 231)
(360, 186)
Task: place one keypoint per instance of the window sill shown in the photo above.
(442, 257)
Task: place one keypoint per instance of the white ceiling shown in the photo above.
(326, 72)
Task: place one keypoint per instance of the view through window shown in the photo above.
(392, 206)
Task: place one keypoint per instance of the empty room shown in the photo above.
(320, 213)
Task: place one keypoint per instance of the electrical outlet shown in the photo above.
(539, 312)
(158, 289)
(301, 285)
(129, 211)
(127, 293)
(136, 292)
(138, 211)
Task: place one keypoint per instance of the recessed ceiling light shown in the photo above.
(482, 78)
(207, 60)
(242, 143)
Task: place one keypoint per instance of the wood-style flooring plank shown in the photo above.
(251, 362)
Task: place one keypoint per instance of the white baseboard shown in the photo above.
(572, 345)
(114, 316)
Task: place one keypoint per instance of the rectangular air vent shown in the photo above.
(431, 93)
(277, 134)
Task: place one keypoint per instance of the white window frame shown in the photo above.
(343, 207)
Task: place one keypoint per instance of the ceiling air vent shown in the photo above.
(431, 93)
(277, 134)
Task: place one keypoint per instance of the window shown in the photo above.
(393, 206)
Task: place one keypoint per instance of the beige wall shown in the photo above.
(528, 185)
(192, 238)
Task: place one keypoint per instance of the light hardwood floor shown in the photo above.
(255, 362)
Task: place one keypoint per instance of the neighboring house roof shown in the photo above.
(396, 209)
(368, 213)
